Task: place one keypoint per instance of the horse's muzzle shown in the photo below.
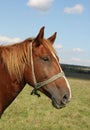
(62, 103)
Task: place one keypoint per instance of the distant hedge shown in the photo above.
(75, 68)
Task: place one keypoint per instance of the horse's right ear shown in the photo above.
(40, 36)
(52, 38)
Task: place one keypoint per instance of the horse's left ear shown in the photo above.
(41, 33)
(52, 38)
(40, 36)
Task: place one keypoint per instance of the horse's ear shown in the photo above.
(52, 38)
(41, 33)
(40, 36)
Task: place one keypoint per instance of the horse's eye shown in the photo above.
(46, 59)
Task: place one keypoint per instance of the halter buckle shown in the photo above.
(34, 92)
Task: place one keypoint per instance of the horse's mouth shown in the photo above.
(57, 105)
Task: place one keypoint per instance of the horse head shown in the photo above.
(46, 73)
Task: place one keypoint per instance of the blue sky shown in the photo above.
(20, 19)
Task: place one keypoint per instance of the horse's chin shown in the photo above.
(57, 105)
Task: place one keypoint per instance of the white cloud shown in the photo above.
(41, 5)
(88, 61)
(58, 46)
(75, 59)
(77, 9)
(78, 50)
(4, 40)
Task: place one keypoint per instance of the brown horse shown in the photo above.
(33, 61)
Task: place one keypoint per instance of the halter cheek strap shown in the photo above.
(41, 84)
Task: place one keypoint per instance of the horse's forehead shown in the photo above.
(46, 48)
(50, 49)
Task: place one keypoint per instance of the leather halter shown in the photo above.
(41, 84)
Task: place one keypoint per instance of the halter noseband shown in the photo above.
(41, 84)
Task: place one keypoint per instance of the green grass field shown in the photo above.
(31, 113)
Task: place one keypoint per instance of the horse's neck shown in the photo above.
(8, 91)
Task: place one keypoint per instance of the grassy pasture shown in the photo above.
(31, 113)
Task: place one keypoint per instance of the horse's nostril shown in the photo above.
(65, 99)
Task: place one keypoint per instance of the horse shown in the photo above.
(33, 61)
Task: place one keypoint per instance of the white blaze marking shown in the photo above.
(68, 87)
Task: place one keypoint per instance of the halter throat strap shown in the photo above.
(41, 84)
